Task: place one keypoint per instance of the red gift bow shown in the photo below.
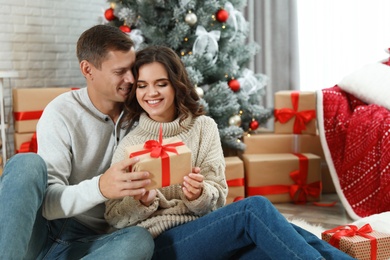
(283, 115)
(298, 191)
(31, 146)
(156, 150)
(350, 231)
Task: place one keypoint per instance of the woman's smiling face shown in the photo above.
(155, 93)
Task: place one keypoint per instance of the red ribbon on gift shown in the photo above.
(298, 191)
(235, 182)
(350, 231)
(284, 115)
(29, 115)
(30, 146)
(156, 150)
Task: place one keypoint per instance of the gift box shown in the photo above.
(235, 179)
(28, 105)
(361, 243)
(295, 112)
(167, 161)
(283, 177)
(25, 142)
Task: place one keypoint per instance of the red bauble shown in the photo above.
(254, 125)
(234, 85)
(125, 28)
(109, 14)
(222, 15)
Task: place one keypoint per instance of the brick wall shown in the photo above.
(38, 40)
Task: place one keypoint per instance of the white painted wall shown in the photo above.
(38, 40)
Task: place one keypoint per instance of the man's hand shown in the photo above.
(193, 184)
(117, 183)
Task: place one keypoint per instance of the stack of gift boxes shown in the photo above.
(286, 164)
(28, 105)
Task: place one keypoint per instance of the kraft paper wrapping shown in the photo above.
(235, 178)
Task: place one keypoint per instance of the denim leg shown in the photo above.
(240, 225)
(72, 240)
(22, 188)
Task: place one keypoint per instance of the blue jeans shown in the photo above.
(26, 234)
(247, 229)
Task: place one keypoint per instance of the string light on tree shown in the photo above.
(199, 91)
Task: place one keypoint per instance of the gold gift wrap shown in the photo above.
(269, 175)
(28, 105)
(363, 244)
(164, 171)
(235, 178)
(295, 112)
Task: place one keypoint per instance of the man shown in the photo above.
(52, 203)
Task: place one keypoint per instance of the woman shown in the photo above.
(188, 221)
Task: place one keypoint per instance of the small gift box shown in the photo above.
(168, 161)
(283, 177)
(25, 142)
(295, 112)
(360, 243)
(28, 105)
(235, 179)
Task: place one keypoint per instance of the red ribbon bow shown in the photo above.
(350, 231)
(283, 115)
(156, 150)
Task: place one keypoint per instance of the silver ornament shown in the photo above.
(199, 91)
(191, 18)
(235, 120)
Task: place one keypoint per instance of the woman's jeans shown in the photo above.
(247, 229)
(25, 234)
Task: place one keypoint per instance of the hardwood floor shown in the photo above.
(327, 217)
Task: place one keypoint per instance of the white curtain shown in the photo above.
(273, 25)
(338, 37)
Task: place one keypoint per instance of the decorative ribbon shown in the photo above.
(29, 115)
(298, 191)
(30, 146)
(137, 38)
(350, 231)
(157, 150)
(206, 42)
(235, 182)
(249, 82)
(236, 20)
(283, 115)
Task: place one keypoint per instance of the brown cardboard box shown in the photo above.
(20, 138)
(269, 175)
(305, 108)
(164, 171)
(360, 247)
(235, 179)
(28, 105)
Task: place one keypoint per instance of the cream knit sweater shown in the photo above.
(171, 208)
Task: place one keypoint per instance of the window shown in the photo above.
(337, 37)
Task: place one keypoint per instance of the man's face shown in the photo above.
(113, 80)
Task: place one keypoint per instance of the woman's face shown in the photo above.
(155, 93)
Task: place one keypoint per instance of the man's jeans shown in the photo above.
(25, 234)
(247, 229)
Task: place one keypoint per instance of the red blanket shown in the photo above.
(356, 141)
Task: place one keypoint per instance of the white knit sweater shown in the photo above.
(171, 208)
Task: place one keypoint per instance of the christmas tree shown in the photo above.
(211, 38)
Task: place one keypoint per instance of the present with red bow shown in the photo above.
(362, 243)
(167, 160)
(295, 112)
(28, 105)
(235, 179)
(284, 177)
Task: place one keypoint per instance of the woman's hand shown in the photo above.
(147, 198)
(193, 184)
